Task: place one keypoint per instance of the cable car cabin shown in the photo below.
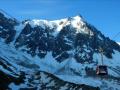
(101, 70)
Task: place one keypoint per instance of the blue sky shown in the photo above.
(103, 14)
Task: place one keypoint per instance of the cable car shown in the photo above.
(101, 69)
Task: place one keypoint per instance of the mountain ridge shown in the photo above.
(61, 47)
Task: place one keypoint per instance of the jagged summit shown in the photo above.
(76, 22)
(70, 19)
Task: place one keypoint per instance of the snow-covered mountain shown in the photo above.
(118, 43)
(56, 55)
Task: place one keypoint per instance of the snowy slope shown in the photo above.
(35, 69)
(31, 64)
(118, 43)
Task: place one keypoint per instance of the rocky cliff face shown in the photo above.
(77, 40)
(68, 46)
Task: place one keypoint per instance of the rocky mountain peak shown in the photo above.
(67, 47)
